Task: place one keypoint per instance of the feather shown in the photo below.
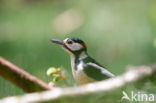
(94, 70)
(103, 70)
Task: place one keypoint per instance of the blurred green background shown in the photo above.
(118, 33)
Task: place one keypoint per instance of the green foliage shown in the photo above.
(56, 74)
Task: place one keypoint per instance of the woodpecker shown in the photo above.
(84, 68)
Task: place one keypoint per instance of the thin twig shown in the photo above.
(21, 78)
(132, 75)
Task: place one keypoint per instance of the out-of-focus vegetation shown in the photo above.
(118, 33)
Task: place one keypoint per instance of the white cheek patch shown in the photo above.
(74, 46)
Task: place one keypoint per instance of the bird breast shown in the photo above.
(80, 76)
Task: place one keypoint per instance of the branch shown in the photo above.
(21, 78)
(133, 75)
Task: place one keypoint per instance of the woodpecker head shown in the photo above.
(72, 45)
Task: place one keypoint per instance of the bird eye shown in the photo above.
(69, 42)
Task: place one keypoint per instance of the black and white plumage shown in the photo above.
(84, 68)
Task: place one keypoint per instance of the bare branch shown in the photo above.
(132, 75)
(21, 78)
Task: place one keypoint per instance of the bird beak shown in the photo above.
(60, 42)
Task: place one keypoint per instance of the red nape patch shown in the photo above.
(84, 45)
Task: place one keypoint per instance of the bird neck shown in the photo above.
(76, 59)
(80, 56)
